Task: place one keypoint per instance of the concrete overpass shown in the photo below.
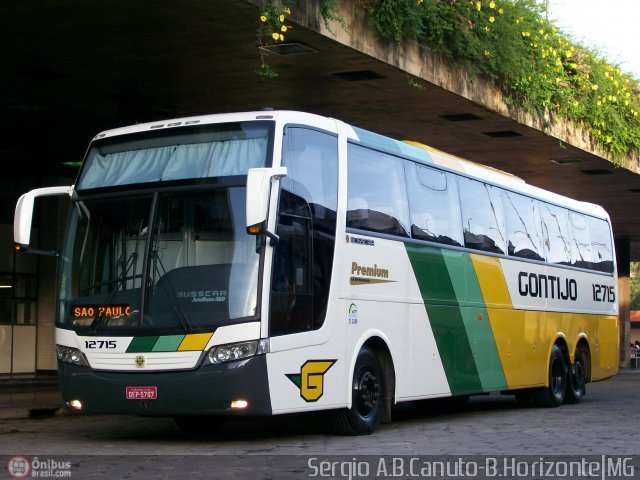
(73, 68)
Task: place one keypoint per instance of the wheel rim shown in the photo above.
(578, 377)
(557, 379)
(366, 392)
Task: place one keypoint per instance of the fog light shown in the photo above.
(239, 404)
(75, 404)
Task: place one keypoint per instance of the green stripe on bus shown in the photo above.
(476, 319)
(446, 320)
(142, 344)
(169, 343)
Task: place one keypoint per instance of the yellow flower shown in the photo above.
(500, 11)
(487, 53)
(281, 18)
(283, 28)
(594, 86)
(287, 11)
(492, 19)
(478, 6)
(281, 37)
(486, 29)
(263, 18)
(492, 4)
(575, 103)
(275, 36)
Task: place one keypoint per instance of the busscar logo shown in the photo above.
(310, 380)
(140, 362)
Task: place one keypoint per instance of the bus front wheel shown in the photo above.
(367, 397)
(553, 395)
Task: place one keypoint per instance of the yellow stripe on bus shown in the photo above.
(195, 341)
(506, 323)
(524, 337)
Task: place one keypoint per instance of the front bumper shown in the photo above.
(206, 390)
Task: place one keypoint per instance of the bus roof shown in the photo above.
(405, 148)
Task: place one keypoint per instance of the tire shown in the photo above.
(367, 397)
(576, 380)
(553, 395)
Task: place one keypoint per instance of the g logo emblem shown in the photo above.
(140, 361)
(310, 380)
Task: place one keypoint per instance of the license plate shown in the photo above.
(141, 393)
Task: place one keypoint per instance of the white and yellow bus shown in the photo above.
(273, 262)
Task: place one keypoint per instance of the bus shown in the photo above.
(277, 262)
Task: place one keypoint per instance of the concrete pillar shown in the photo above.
(623, 259)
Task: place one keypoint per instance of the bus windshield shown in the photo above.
(200, 272)
(185, 153)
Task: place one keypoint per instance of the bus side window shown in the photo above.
(580, 240)
(377, 181)
(434, 205)
(601, 247)
(524, 233)
(482, 216)
(557, 239)
(303, 259)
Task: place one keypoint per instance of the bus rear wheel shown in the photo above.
(576, 380)
(553, 395)
(367, 397)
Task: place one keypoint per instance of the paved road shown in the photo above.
(607, 422)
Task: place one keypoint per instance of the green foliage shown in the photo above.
(271, 30)
(537, 67)
(273, 27)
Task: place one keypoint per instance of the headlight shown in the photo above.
(237, 351)
(71, 355)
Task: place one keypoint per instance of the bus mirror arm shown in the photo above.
(25, 249)
(274, 239)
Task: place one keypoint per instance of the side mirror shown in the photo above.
(259, 181)
(24, 215)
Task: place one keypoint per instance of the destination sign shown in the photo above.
(92, 311)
